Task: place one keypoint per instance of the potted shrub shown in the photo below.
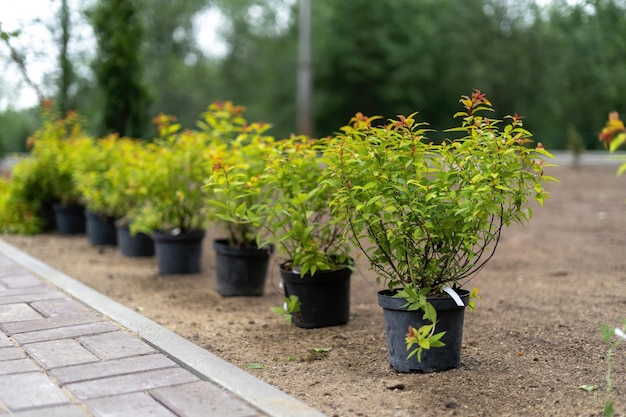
(94, 162)
(56, 146)
(125, 193)
(295, 217)
(429, 215)
(175, 210)
(240, 158)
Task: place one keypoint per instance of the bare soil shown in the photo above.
(533, 340)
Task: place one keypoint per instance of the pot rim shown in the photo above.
(221, 245)
(333, 274)
(283, 267)
(192, 234)
(388, 301)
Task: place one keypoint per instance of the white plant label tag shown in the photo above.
(454, 296)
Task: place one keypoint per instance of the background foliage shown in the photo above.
(118, 66)
(557, 63)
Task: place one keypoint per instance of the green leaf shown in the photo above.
(321, 350)
(413, 353)
(254, 365)
(434, 340)
(607, 332)
(588, 388)
(424, 343)
(430, 313)
(617, 142)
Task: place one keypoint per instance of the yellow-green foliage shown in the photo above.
(179, 163)
(46, 176)
(21, 198)
(295, 209)
(435, 211)
(101, 171)
(56, 146)
(240, 154)
(124, 192)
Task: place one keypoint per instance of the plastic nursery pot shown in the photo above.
(134, 246)
(324, 297)
(449, 319)
(240, 271)
(178, 254)
(70, 219)
(100, 229)
(46, 212)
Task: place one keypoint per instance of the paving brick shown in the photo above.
(31, 390)
(50, 323)
(115, 367)
(60, 306)
(21, 281)
(203, 399)
(17, 312)
(65, 332)
(18, 366)
(116, 345)
(56, 411)
(11, 269)
(4, 340)
(57, 353)
(32, 294)
(136, 405)
(10, 353)
(127, 384)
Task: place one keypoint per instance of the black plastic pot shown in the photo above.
(178, 254)
(133, 246)
(240, 271)
(100, 229)
(324, 297)
(70, 219)
(449, 319)
(46, 212)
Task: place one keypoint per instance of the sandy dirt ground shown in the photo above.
(533, 340)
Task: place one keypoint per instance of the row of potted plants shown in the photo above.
(427, 215)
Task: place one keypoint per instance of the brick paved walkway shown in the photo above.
(60, 357)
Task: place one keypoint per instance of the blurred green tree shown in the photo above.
(118, 66)
(66, 77)
(259, 69)
(183, 79)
